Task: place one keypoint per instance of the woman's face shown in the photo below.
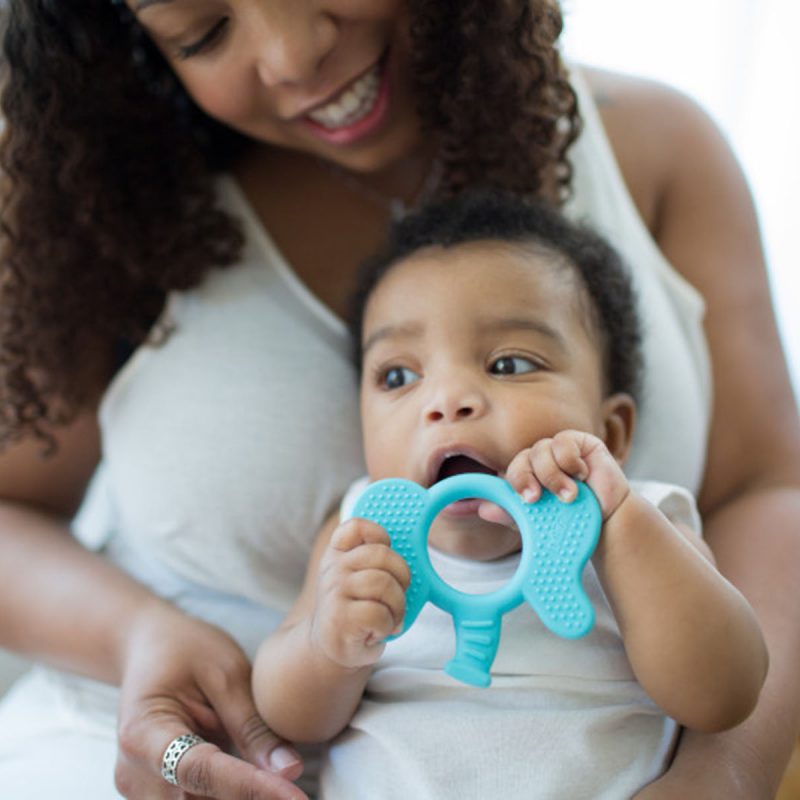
(328, 77)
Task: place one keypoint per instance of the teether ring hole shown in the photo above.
(475, 545)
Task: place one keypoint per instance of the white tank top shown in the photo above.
(225, 448)
(674, 413)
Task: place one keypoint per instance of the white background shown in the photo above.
(741, 60)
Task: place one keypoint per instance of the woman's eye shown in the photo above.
(512, 365)
(397, 377)
(204, 42)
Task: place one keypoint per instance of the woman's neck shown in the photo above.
(324, 226)
(403, 184)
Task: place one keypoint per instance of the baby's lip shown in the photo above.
(456, 460)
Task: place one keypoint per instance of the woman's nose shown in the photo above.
(455, 401)
(295, 37)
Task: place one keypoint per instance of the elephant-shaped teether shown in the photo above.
(557, 540)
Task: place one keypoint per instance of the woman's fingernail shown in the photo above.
(281, 758)
(565, 495)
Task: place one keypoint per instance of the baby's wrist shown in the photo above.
(620, 525)
(623, 496)
(321, 648)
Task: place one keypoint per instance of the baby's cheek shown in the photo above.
(388, 444)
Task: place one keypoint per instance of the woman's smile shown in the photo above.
(355, 111)
(332, 81)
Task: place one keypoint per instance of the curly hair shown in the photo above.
(108, 171)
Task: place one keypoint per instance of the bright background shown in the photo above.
(741, 60)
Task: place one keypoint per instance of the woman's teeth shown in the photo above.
(355, 102)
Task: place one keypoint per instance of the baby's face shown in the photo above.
(472, 354)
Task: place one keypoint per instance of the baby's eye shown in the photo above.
(512, 365)
(395, 377)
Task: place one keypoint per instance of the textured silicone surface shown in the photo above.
(557, 541)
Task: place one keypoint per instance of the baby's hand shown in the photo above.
(555, 464)
(360, 594)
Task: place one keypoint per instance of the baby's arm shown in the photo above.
(309, 676)
(691, 638)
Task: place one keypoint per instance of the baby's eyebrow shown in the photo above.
(500, 324)
(409, 330)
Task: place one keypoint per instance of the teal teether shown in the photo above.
(557, 541)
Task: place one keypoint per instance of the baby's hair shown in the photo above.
(496, 215)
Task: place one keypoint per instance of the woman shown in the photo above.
(326, 116)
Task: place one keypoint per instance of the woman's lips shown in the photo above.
(356, 112)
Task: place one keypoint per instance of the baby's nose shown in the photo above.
(453, 404)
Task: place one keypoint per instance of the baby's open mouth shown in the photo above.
(459, 465)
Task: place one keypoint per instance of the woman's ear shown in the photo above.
(619, 420)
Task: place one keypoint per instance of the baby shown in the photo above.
(497, 337)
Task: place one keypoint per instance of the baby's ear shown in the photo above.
(619, 420)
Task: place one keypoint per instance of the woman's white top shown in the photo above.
(225, 447)
(673, 418)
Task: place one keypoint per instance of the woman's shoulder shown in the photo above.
(654, 130)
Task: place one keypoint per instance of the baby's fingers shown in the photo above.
(357, 531)
(569, 450)
(378, 557)
(367, 626)
(547, 465)
(521, 476)
(379, 587)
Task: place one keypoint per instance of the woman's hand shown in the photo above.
(185, 676)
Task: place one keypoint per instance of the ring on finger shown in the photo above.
(175, 751)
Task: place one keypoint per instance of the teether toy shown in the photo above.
(557, 541)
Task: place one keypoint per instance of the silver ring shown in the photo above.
(175, 751)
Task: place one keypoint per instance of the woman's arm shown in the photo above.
(694, 198)
(45, 575)
(68, 607)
